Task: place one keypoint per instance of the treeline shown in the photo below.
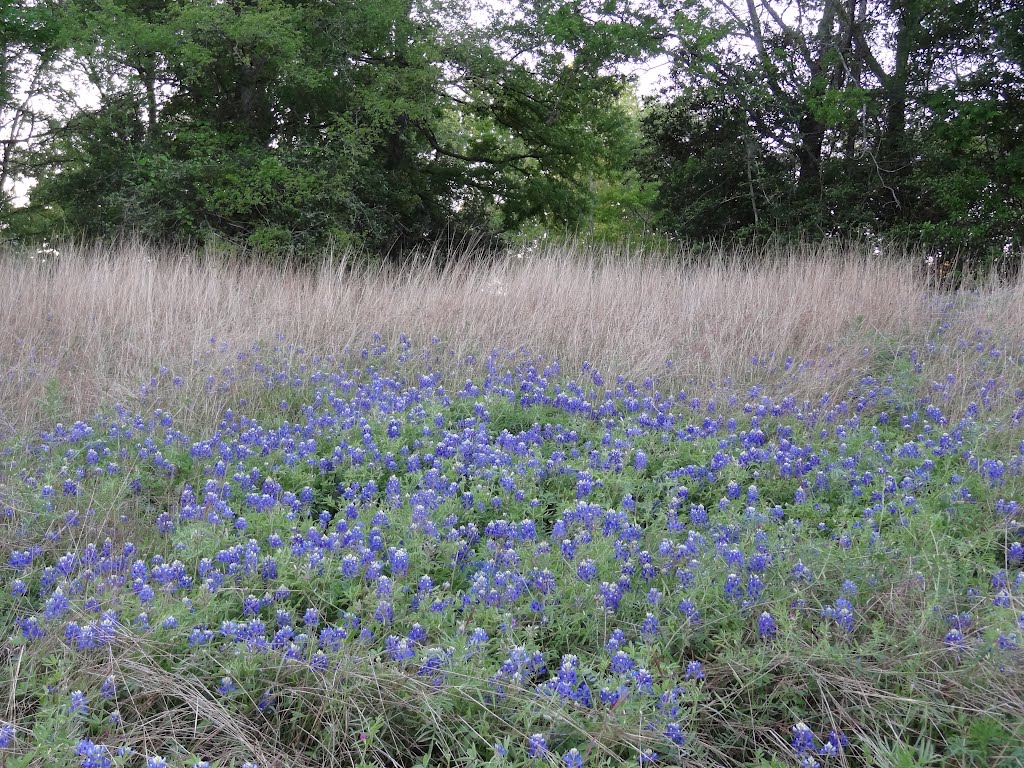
(284, 125)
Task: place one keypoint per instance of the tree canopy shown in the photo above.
(844, 118)
(283, 125)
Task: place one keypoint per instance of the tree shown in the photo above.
(877, 116)
(283, 123)
(716, 179)
(30, 39)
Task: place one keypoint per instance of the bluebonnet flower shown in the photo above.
(56, 605)
(733, 588)
(647, 757)
(994, 471)
(93, 755)
(618, 638)
(1015, 553)
(999, 581)
(78, 704)
(650, 627)
(688, 609)
(572, 759)
(766, 626)
(109, 687)
(1007, 642)
(587, 570)
(674, 733)
(640, 461)
(643, 680)
(21, 560)
(568, 549)
(834, 744)
(734, 557)
(610, 596)
(6, 734)
(567, 684)
(477, 637)
(537, 746)
(385, 612)
(621, 662)
(399, 648)
(841, 612)
(754, 587)
(399, 561)
(803, 739)
(955, 640)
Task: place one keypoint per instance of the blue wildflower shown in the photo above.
(93, 755)
(572, 759)
(766, 626)
(537, 746)
(587, 570)
(803, 739)
(78, 704)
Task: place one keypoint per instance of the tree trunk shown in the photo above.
(892, 148)
(148, 76)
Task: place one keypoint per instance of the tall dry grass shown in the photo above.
(87, 327)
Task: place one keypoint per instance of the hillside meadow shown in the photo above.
(567, 509)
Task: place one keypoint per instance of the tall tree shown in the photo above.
(868, 110)
(30, 43)
(277, 123)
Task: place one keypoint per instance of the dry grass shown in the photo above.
(93, 324)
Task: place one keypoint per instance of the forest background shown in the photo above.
(286, 127)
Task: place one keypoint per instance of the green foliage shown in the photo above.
(877, 120)
(715, 180)
(32, 33)
(281, 126)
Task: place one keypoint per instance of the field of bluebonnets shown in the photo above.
(249, 521)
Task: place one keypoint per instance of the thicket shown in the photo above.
(287, 126)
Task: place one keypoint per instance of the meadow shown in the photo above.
(569, 509)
